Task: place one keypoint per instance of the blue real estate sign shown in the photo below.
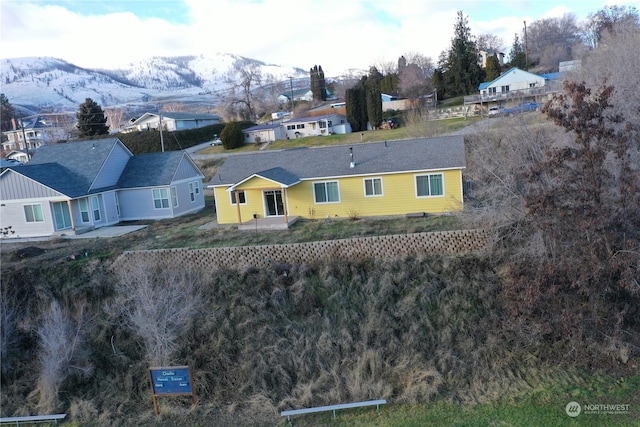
(171, 380)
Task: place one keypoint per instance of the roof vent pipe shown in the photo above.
(352, 164)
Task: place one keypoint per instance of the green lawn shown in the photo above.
(542, 408)
(432, 128)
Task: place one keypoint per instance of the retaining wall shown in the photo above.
(379, 247)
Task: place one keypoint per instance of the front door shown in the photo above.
(61, 215)
(273, 203)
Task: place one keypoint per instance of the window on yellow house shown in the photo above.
(241, 196)
(429, 185)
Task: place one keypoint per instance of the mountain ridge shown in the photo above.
(47, 84)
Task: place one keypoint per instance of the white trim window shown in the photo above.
(373, 187)
(194, 189)
(431, 185)
(174, 197)
(326, 192)
(83, 205)
(33, 213)
(95, 207)
(160, 198)
(242, 196)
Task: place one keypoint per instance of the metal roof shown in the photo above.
(334, 161)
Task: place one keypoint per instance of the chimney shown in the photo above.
(14, 124)
(352, 164)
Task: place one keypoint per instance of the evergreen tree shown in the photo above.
(518, 57)
(493, 68)
(232, 136)
(318, 83)
(7, 112)
(389, 83)
(461, 73)
(356, 105)
(91, 119)
(373, 97)
(374, 106)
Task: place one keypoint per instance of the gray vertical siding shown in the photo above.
(186, 170)
(112, 168)
(15, 186)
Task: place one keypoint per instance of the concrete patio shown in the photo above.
(269, 223)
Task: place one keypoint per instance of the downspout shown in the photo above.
(284, 205)
(237, 193)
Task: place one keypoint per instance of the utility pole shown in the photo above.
(160, 125)
(291, 83)
(526, 58)
(24, 135)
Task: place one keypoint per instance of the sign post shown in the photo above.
(171, 381)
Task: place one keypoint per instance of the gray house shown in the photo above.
(172, 121)
(76, 187)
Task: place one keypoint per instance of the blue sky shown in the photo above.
(298, 33)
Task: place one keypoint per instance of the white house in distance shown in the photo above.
(512, 80)
(327, 124)
(484, 55)
(515, 85)
(172, 121)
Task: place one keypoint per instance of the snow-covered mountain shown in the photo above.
(38, 84)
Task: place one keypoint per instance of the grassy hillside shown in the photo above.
(432, 334)
(471, 340)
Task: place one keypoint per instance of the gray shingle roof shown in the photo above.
(150, 170)
(70, 168)
(55, 177)
(279, 175)
(333, 161)
(82, 160)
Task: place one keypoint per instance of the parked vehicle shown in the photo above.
(495, 111)
(521, 108)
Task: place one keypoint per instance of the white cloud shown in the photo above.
(337, 34)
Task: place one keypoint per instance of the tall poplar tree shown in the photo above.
(91, 119)
(356, 105)
(318, 83)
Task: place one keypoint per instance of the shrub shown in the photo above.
(232, 136)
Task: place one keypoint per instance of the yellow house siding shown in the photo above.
(253, 188)
(398, 197)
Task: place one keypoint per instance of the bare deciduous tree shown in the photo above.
(551, 40)
(622, 48)
(62, 351)
(9, 306)
(243, 78)
(489, 42)
(157, 303)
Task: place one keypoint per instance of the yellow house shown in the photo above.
(371, 179)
